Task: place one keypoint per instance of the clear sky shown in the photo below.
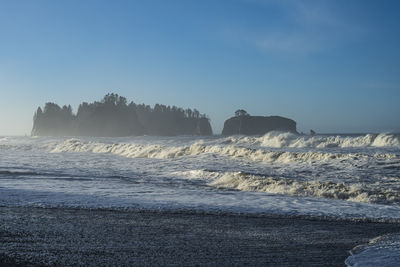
(333, 66)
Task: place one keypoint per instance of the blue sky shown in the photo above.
(333, 66)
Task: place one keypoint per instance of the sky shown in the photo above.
(332, 66)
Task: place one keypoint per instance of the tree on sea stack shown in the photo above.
(241, 113)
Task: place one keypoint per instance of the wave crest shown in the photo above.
(252, 182)
(278, 140)
(166, 152)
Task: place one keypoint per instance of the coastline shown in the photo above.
(56, 236)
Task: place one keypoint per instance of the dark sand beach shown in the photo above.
(39, 236)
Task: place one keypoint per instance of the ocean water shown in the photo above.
(335, 176)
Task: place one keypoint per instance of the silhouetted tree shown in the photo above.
(241, 112)
(112, 116)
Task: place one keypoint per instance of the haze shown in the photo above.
(332, 66)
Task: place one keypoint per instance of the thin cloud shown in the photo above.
(288, 43)
(309, 27)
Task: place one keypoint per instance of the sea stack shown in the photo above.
(113, 116)
(243, 123)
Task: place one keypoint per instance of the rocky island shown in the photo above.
(113, 117)
(243, 123)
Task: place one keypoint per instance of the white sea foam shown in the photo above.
(132, 150)
(380, 251)
(322, 189)
(383, 140)
(84, 172)
(278, 140)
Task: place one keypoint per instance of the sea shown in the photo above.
(333, 176)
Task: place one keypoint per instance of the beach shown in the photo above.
(274, 200)
(73, 237)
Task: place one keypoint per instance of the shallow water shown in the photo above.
(339, 176)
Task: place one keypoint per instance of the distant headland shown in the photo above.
(243, 123)
(113, 117)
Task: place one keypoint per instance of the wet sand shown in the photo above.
(102, 237)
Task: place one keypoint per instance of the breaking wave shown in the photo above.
(291, 140)
(280, 139)
(323, 189)
(164, 152)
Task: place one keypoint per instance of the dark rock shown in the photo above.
(113, 116)
(255, 125)
(203, 127)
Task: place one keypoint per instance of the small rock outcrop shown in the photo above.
(245, 124)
